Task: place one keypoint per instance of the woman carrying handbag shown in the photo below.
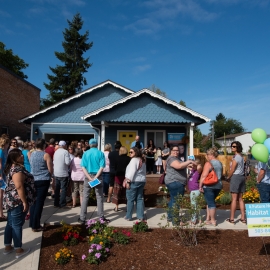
(211, 191)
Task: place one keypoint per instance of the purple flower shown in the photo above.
(94, 231)
(99, 247)
(98, 255)
(83, 257)
(93, 245)
(90, 250)
(107, 249)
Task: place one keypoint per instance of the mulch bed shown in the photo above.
(161, 249)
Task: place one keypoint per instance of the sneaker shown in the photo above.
(81, 221)
(19, 255)
(7, 251)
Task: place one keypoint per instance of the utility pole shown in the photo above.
(212, 132)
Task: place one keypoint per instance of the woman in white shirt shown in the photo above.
(136, 178)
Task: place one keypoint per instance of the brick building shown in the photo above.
(18, 98)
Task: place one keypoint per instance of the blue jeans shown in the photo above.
(60, 183)
(210, 195)
(13, 230)
(135, 194)
(37, 208)
(106, 181)
(264, 190)
(175, 188)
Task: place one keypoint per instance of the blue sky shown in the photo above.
(213, 54)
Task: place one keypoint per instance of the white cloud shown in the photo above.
(141, 68)
(144, 26)
(4, 14)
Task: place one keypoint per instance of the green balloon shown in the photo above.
(260, 152)
(258, 135)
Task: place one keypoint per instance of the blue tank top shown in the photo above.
(26, 160)
(39, 167)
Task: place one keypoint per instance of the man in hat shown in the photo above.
(93, 162)
(61, 163)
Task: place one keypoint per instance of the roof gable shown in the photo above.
(145, 106)
(71, 109)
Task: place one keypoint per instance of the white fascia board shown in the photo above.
(136, 94)
(77, 96)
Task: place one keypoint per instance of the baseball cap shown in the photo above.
(62, 143)
(93, 141)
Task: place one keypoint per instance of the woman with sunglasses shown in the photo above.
(236, 177)
(135, 177)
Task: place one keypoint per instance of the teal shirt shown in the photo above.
(93, 160)
(3, 162)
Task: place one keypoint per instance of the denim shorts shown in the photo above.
(210, 195)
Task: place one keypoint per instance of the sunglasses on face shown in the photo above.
(131, 152)
(233, 146)
(13, 142)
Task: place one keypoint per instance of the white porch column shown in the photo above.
(191, 144)
(102, 137)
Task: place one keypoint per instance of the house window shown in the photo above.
(158, 136)
(4, 130)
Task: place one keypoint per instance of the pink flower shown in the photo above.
(83, 257)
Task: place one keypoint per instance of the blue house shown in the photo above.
(109, 112)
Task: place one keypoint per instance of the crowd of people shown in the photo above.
(28, 169)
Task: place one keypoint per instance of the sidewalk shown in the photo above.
(53, 216)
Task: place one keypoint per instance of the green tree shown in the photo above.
(68, 79)
(198, 138)
(226, 125)
(183, 103)
(12, 62)
(157, 90)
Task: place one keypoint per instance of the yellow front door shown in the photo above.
(126, 138)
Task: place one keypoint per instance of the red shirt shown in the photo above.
(50, 150)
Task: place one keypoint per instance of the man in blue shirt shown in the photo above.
(137, 143)
(93, 162)
(263, 181)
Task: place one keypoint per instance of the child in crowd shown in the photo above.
(77, 176)
(193, 185)
(158, 162)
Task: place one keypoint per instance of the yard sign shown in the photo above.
(258, 219)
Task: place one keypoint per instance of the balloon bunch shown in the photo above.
(260, 150)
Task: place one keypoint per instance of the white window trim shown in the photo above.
(153, 130)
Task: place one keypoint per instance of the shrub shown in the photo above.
(101, 240)
(95, 226)
(224, 198)
(96, 254)
(140, 226)
(121, 237)
(63, 256)
(70, 234)
(183, 212)
(251, 196)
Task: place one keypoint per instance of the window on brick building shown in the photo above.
(4, 130)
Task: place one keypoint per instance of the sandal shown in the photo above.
(73, 206)
(230, 221)
(209, 222)
(244, 221)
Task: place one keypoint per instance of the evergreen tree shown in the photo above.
(68, 79)
(12, 62)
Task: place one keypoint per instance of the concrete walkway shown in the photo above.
(53, 216)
